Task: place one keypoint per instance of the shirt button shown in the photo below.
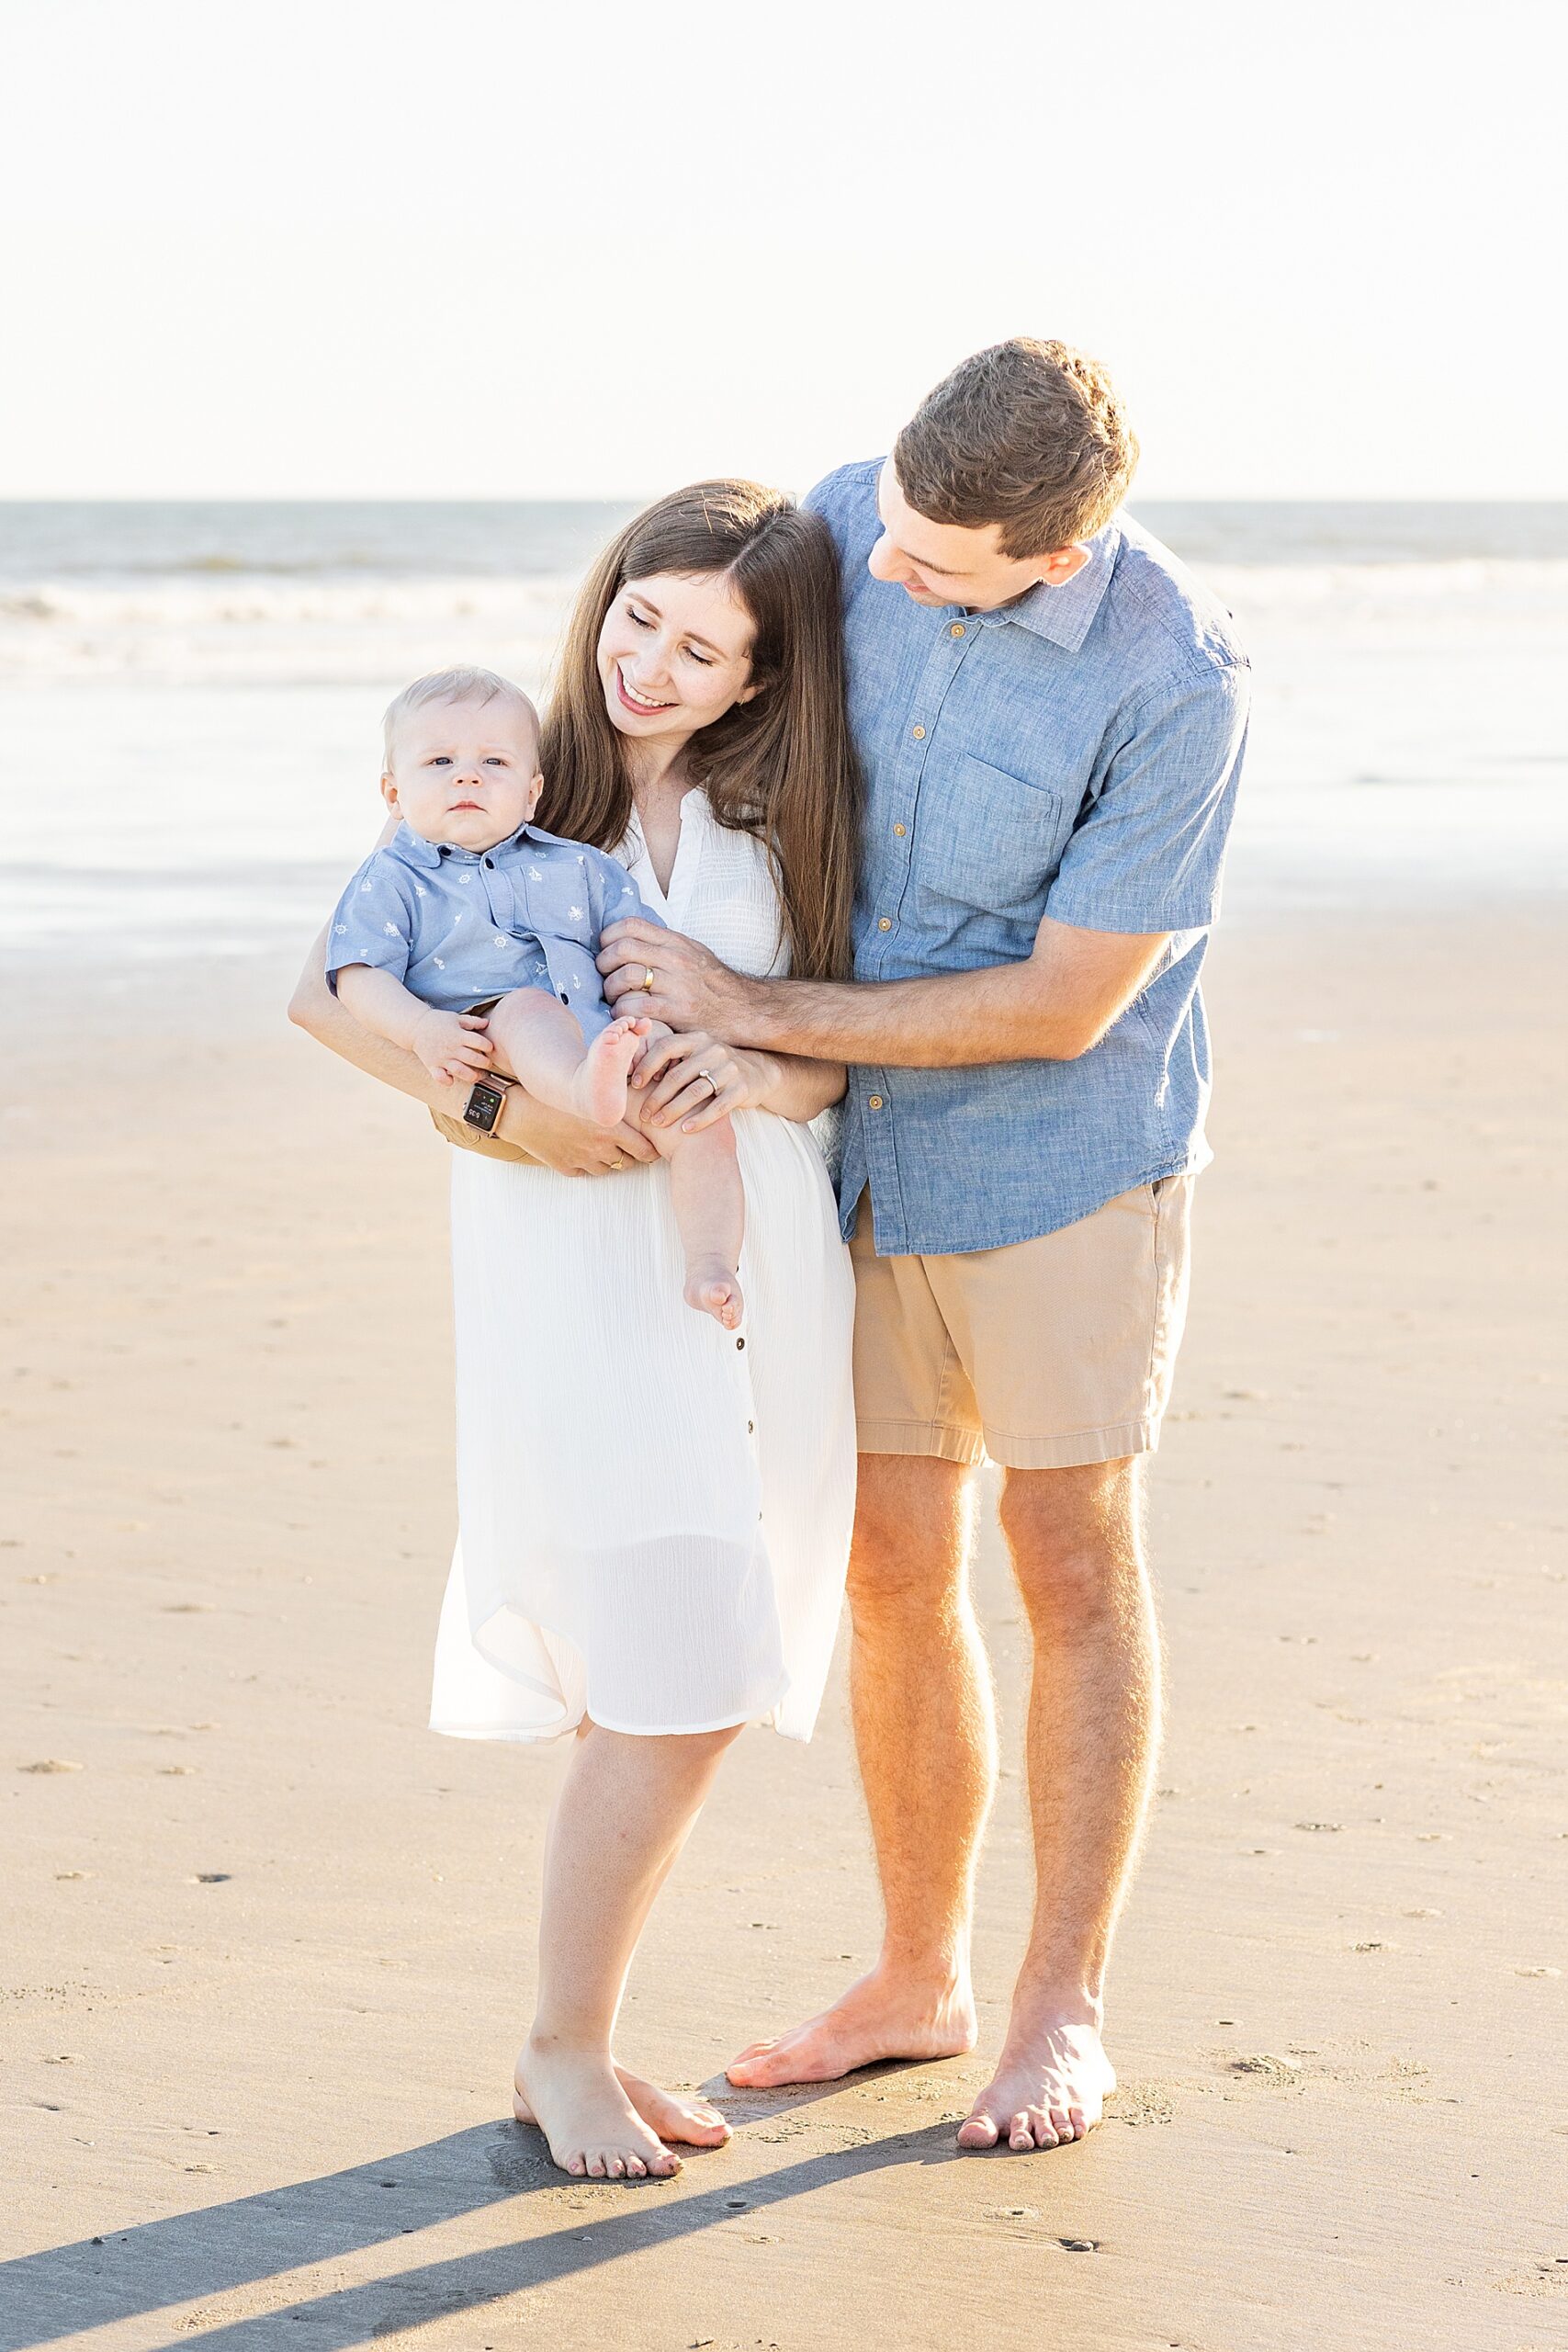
(885, 923)
(957, 629)
(919, 733)
(900, 831)
(489, 862)
(873, 1102)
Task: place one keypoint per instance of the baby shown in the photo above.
(470, 939)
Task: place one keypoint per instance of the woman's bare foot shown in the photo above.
(599, 1088)
(592, 2129)
(877, 2018)
(691, 2120)
(712, 1289)
(1048, 2090)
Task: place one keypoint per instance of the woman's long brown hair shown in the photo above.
(783, 765)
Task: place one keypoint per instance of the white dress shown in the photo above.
(654, 1512)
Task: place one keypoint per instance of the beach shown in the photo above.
(270, 1949)
(270, 1946)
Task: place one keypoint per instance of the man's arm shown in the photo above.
(1052, 1006)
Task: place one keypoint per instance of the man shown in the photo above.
(1051, 716)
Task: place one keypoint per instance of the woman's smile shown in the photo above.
(632, 700)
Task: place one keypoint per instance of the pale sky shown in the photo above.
(478, 248)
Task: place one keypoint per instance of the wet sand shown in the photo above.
(269, 1948)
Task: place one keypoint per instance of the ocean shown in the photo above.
(190, 697)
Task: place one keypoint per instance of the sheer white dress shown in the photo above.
(654, 1512)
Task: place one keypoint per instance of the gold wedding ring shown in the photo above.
(648, 982)
(619, 1160)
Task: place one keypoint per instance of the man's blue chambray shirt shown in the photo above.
(458, 925)
(1076, 753)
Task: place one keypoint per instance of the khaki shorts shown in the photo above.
(1041, 1355)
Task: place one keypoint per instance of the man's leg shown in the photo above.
(1075, 1538)
(925, 1734)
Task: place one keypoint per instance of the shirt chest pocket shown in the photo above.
(988, 839)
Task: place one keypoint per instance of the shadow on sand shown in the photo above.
(130, 2274)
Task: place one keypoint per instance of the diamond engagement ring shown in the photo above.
(708, 1075)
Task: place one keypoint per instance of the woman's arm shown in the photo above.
(565, 1144)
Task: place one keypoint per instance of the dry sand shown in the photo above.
(269, 1943)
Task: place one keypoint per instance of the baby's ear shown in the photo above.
(389, 791)
(535, 789)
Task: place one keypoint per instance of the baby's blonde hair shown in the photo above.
(449, 685)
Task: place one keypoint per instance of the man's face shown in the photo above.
(466, 771)
(952, 563)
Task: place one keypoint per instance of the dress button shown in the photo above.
(751, 1428)
(919, 733)
(873, 1102)
(884, 924)
(741, 1344)
(900, 831)
(957, 629)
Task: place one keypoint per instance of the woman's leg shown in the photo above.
(623, 1814)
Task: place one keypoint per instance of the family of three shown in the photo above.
(911, 799)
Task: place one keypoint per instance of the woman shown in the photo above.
(655, 1512)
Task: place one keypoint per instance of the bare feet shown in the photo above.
(1049, 2090)
(712, 1289)
(878, 2018)
(579, 2102)
(599, 1088)
(691, 2120)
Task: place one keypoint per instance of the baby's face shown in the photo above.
(465, 771)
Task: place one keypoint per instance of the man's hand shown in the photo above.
(691, 990)
(452, 1046)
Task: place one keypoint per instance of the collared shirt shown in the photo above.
(458, 925)
(1075, 753)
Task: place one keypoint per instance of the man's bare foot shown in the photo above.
(712, 1289)
(599, 1087)
(1051, 2089)
(592, 2129)
(877, 2018)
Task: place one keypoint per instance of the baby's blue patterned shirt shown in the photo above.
(458, 925)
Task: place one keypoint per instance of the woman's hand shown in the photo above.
(571, 1147)
(692, 1081)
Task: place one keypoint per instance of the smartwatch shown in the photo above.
(483, 1108)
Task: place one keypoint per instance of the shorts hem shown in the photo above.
(931, 1438)
(1075, 1451)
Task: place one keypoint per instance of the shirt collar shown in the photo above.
(1064, 614)
(417, 851)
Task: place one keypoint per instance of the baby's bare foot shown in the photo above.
(712, 1289)
(580, 2105)
(599, 1089)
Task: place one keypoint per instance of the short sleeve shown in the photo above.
(373, 922)
(1147, 853)
(617, 898)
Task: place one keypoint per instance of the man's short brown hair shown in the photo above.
(1029, 436)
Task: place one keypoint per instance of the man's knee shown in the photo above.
(910, 1534)
(1075, 1538)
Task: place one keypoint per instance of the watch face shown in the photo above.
(484, 1103)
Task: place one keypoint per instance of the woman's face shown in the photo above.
(674, 654)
